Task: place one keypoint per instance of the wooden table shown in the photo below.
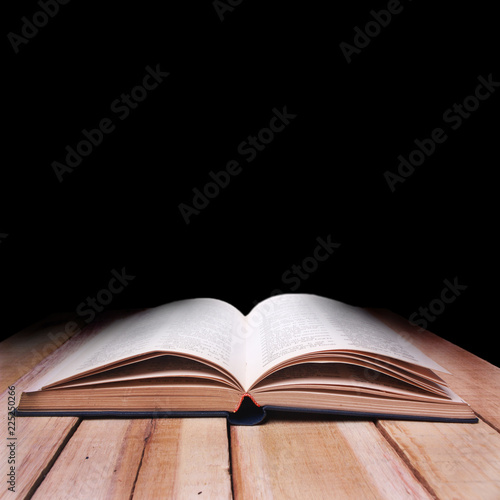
(286, 457)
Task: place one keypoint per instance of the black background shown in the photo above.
(323, 175)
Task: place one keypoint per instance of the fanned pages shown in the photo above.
(298, 352)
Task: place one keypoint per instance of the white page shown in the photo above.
(289, 325)
(361, 331)
(199, 327)
(282, 327)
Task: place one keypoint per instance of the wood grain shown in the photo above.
(154, 458)
(100, 461)
(454, 460)
(186, 458)
(314, 459)
(40, 439)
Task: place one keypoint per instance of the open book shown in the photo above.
(295, 352)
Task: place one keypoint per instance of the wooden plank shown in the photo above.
(158, 458)
(35, 445)
(313, 458)
(472, 378)
(24, 350)
(454, 460)
(100, 461)
(39, 439)
(186, 458)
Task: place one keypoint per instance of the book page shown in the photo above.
(198, 327)
(281, 328)
(290, 325)
(359, 330)
(330, 375)
(156, 369)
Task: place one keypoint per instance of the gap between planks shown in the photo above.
(397, 449)
(139, 458)
(311, 457)
(152, 425)
(453, 460)
(43, 473)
